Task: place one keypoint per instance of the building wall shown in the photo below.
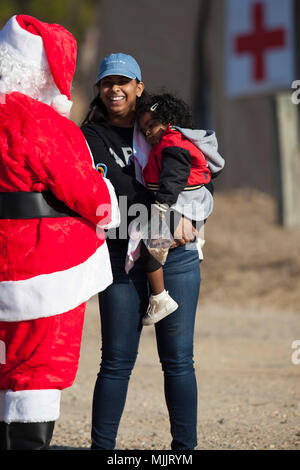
(171, 39)
(246, 127)
(158, 33)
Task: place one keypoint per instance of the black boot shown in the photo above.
(29, 436)
(3, 436)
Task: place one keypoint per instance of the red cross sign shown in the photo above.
(259, 40)
(259, 46)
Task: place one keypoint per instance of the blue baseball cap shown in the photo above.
(119, 64)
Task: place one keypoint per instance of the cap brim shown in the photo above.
(107, 74)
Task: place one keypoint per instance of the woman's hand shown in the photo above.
(184, 233)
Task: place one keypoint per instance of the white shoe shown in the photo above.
(159, 307)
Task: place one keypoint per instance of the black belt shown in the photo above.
(32, 205)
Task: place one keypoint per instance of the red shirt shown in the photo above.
(176, 155)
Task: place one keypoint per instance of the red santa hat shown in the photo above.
(43, 46)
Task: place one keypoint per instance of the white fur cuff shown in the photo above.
(29, 406)
(115, 212)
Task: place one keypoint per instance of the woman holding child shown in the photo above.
(109, 131)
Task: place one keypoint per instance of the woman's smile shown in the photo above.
(119, 96)
(116, 100)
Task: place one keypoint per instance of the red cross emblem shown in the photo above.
(259, 41)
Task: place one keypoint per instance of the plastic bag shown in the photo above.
(157, 236)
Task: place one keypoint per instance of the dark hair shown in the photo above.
(97, 111)
(167, 109)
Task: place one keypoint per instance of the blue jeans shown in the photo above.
(121, 306)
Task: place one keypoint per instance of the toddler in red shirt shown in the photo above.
(178, 172)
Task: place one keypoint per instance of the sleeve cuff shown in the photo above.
(115, 212)
(161, 206)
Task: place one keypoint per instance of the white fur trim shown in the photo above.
(24, 65)
(62, 105)
(27, 47)
(29, 406)
(51, 294)
(92, 158)
(115, 212)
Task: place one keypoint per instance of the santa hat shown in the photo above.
(43, 46)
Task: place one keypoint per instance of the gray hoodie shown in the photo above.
(207, 142)
(197, 204)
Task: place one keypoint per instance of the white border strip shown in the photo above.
(29, 406)
(51, 294)
(115, 212)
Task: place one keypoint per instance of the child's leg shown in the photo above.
(160, 302)
(154, 271)
(156, 281)
(152, 267)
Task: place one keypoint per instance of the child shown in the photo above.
(177, 170)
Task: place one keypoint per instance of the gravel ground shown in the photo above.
(247, 319)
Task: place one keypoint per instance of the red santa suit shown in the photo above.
(49, 265)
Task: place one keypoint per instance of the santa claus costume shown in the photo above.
(54, 207)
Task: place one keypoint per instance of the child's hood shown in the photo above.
(207, 142)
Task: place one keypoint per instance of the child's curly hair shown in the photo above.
(167, 109)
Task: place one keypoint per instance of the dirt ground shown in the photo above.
(248, 317)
